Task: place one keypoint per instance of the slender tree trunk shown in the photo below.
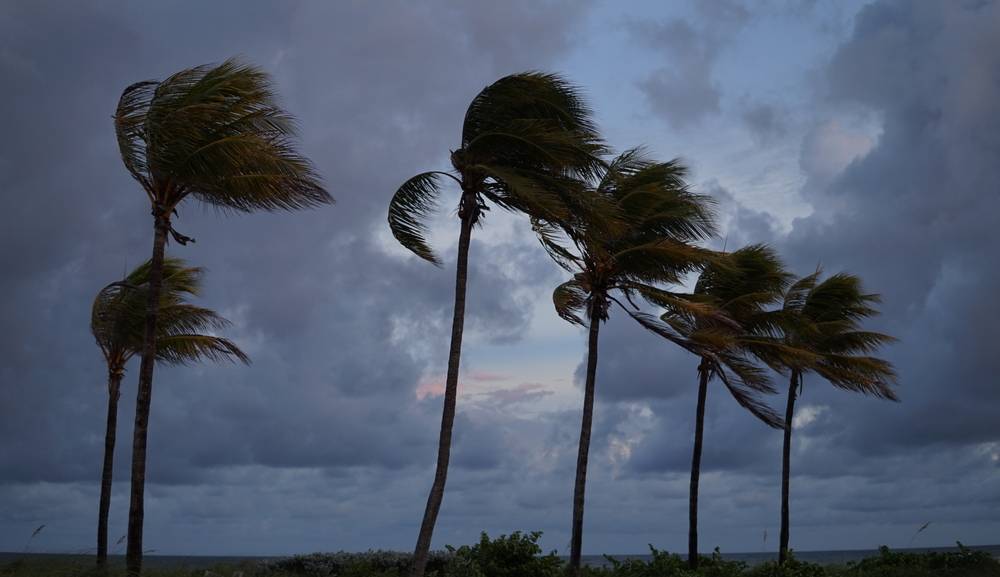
(786, 462)
(579, 489)
(114, 393)
(133, 554)
(699, 429)
(423, 547)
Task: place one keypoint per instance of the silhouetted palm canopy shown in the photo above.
(645, 248)
(214, 132)
(741, 288)
(118, 319)
(524, 138)
(824, 320)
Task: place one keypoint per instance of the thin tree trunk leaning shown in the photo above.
(114, 393)
(133, 554)
(579, 489)
(699, 428)
(423, 547)
(786, 461)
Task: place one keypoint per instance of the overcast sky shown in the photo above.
(863, 136)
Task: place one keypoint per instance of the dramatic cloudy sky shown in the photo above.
(863, 136)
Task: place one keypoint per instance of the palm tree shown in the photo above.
(824, 319)
(523, 138)
(214, 133)
(117, 325)
(647, 247)
(741, 286)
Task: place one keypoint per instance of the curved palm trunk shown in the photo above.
(423, 547)
(786, 462)
(133, 554)
(699, 429)
(579, 489)
(114, 393)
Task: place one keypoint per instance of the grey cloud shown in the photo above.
(683, 90)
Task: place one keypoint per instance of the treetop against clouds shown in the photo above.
(860, 136)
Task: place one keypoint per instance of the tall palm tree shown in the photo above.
(117, 325)
(648, 247)
(824, 319)
(741, 286)
(214, 133)
(523, 139)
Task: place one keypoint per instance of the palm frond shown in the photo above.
(414, 202)
(533, 107)
(119, 312)
(185, 349)
(570, 300)
(216, 132)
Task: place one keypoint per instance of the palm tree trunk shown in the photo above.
(699, 429)
(579, 489)
(133, 554)
(110, 432)
(786, 462)
(436, 495)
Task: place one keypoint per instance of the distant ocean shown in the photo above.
(818, 557)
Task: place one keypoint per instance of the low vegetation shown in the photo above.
(519, 555)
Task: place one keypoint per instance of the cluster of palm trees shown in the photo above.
(627, 228)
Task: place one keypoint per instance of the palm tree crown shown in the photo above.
(740, 289)
(214, 132)
(643, 247)
(824, 319)
(117, 319)
(523, 139)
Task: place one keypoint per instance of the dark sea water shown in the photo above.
(818, 557)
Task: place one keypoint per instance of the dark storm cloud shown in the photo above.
(916, 215)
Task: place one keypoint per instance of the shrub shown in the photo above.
(514, 555)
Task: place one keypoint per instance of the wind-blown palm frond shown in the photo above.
(532, 120)
(412, 204)
(184, 349)
(215, 132)
(570, 300)
(824, 319)
(732, 323)
(118, 319)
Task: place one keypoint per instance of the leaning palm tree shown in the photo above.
(524, 138)
(741, 286)
(824, 320)
(117, 320)
(648, 247)
(216, 134)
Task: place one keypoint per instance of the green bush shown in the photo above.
(514, 555)
(962, 563)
